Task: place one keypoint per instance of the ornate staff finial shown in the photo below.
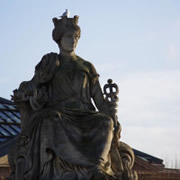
(111, 91)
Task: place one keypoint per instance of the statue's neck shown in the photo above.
(68, 58)
(67, 54)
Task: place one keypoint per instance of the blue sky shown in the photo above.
(136, 43)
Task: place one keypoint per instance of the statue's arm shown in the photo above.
(28, 94)
(98, 98)
(96, 91)
(34, 91)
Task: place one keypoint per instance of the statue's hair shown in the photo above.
(64, 25)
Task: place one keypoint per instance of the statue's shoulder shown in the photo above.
(87, 64)
(51, 54)
(89, 68)
(45, 69)
(50, 59)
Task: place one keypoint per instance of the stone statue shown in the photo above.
(63, 136)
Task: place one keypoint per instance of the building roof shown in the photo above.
(149, 158)
(9, 120)
(10, 128)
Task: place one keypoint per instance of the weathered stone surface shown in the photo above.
(63, 137)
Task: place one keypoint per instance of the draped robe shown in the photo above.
(66, 138)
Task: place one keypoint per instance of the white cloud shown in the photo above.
(177, 24)
(149, 111)
(159, 142)
(172, 51)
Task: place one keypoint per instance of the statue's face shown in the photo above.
(69, 41)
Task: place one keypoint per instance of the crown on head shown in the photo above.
(63, 25)
(65, 21)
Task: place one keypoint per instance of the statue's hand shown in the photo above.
(28, 88)
(39, 99)
(25, 90)
(19, 96)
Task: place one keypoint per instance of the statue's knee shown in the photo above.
(108, 122)
(20, 161)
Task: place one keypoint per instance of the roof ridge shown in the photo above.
(6, 101)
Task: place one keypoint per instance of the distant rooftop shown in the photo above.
(9, 120)
(10, 127)
(147, 157)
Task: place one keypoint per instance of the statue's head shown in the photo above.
(66, 32)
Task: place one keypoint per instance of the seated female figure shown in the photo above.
(63, 136)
